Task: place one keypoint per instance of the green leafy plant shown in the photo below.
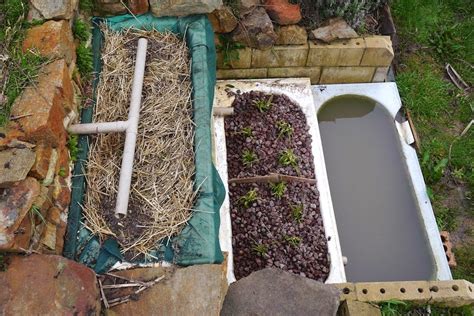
(445, 218)
(72, 144)
(445, 41)
(284, 129)
(297, 212)
(247, 131)
(249, 157)
(263, 104)
(260, 249)
(393, 308)
(433, 169)
(81, 30)
(35, 211)
(84, 60)
(250, 197)
(229, 49)
(62, 172)
(288, 158)
(278, 189)
(292, 240)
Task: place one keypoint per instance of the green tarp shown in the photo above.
(198, 243)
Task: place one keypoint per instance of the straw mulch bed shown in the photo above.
(162, 192)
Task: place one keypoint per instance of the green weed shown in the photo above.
(260, 249)
(297, 212)
(393, 308)
(35, 211)
(81, 30)
(288, 158)
(229, 49)
(62, 172)
(445, 218)
(278, 189)
(292, 240)
(433, 169)
(465, 262)
(284, 129)
(246, 131)
(250, 197)
(72, 144)
(84, 60)
(14, 10)
(263, 105)
(249, 157)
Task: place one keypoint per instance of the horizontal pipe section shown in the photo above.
(96, 128)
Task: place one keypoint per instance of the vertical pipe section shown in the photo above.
(121, 207)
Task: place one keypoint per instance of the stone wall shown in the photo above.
(34, 157)
(356, 60)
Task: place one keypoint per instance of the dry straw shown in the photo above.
(162, 192)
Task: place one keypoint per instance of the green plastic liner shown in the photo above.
(198, 243)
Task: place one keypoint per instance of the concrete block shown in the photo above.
(241, 73)
(350, 51)
(323, 54)
(346, 74)
(296, 72)
(452, 293)
(356, 308)
(414, 291)
(348, 291)
(281, 56)
(378, 51)
(380, 74)
(244, 60)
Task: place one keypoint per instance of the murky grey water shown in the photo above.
(376, 211)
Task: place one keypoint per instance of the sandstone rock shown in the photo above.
(61, 193)
(244, 7)
(273, 291)
(223, 20)
(52, 39)
(23, 235)
(109, 7)
(48, 180)
(336, 28)
(195, 290)
(41, 165)
(54, 215)
(60, 233)
(9, 134)
(42, 203)
(48, 285)
(291, 35)
(53, 9)
(183, 7)
(138, 6)
(15, 202)
(283, 12)
(62, 166)
(255, 30)
(45, 114)
(48, 238)
(15, 163)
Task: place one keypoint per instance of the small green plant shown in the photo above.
(433, 169)
(84, 60)
(445, 218)
(260, 249)
(393, 308)
(86, 6)
(81, 30)
(284, 129)
(247, 131)
(249, 157)
(263, 104)
(288, 158)
(62, 172)
(35, 211)
(229, 49)
(250, 197)
(297, 212)
(72, 144)
(278, 189)
(293, 240)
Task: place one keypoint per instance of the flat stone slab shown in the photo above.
(15, 164)
(273, 291)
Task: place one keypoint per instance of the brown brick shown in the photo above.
(415, 291)
(41, 165)
(346, 74)
(296, 72)
(241, 73)
(378, 51)
(280, 56)
(51, 39)
(244, 60)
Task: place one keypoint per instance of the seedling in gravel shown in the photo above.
(249, 198)
(297, 212)
(263, 105)
(288, 158)
(260, 249)
(249, 157)
(284, 129)
(278, 189)
(246, 131)
(293, 240)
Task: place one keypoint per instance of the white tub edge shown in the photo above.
(299, 91)
(387, 94)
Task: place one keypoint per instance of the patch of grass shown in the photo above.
(250, 197)
(297, 212)
(288, 158)
(284, 129)
(278, 189)
(263, 105)
(445, 218)
(84, 60)
(260, 249)
(81, 30)
(14, 10)
(249, 157)
(293, 240)
(86, 6)
(465, 260)
(72, 145)
(229, 49)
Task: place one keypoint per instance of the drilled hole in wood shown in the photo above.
(365, 291)
(346, 290)
(455, 287)
(434, 289)
(420, 290)
(382, 291)
(403, 290)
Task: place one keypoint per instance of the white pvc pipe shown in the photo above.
(121, 206)
(96, 128)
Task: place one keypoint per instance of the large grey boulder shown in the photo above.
(52, 9)
(183, 7)
(255, 30)
(273, 292)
